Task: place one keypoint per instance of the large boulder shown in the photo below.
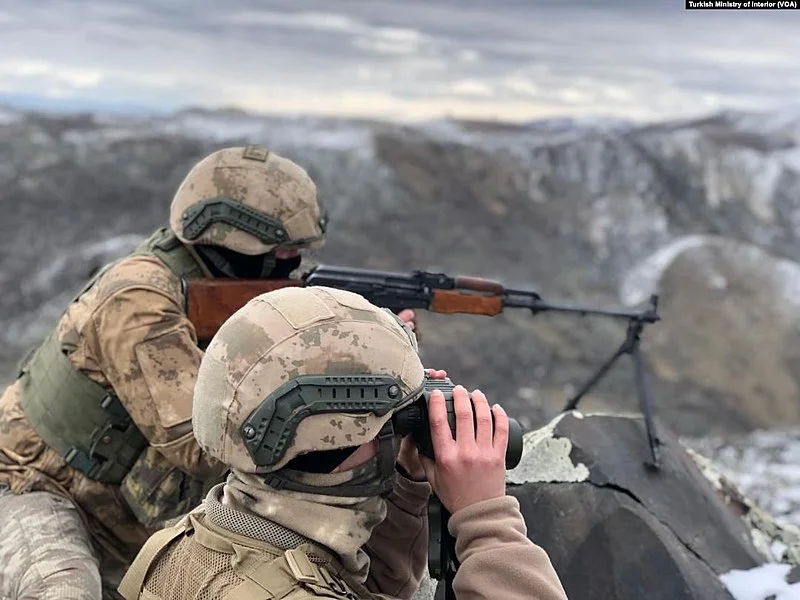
(729, 342)
(617, 529)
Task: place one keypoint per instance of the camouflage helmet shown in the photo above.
(248, 200)
(301, 370)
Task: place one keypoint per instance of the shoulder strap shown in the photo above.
(293, 575)
(131, 585)
(166, 247)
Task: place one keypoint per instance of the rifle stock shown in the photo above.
(210, 302)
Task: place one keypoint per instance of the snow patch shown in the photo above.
(764, 464)
(642, 279)
(104, 135)
(791, 158)
(787, 280)
(764, 180)
(273, 132)
(761, 582)
(546, 458)
(778, 122)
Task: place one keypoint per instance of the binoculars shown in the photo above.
(413, 420)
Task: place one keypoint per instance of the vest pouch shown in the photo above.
(158, 491)
(82, 421)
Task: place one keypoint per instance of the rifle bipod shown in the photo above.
(442, 561)
(630, 346)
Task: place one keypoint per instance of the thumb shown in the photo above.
(429, 467)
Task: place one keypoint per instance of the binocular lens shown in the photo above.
(514, 450)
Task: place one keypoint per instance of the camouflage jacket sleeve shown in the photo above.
(497, 560)
(398, 548)
(146, 348)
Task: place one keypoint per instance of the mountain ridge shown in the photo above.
(574, 209)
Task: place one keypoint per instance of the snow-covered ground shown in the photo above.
(765, 464)
(765, 582)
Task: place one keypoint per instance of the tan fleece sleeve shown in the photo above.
(398, 548)
(147, 349)
(497, 558)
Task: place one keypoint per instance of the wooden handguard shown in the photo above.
(210, 302)
(455, 302)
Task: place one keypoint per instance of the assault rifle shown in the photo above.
(209, 303)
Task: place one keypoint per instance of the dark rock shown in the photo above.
(614, 527)
(794, 575)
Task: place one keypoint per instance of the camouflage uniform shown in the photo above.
(291, 381)
(275, 529)
(128, 333)
(29, 549)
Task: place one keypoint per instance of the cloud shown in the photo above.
(471, 87)
(17, 76)
(315, 21)
(517, 59)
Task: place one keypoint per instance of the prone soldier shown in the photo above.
(298, 395)
(96, 444)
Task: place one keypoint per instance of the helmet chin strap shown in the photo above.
(375, 481)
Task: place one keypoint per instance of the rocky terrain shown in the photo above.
(706, 213)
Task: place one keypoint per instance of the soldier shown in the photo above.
(96, 444)
(296, 394)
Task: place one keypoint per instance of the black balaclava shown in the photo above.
(223, 262)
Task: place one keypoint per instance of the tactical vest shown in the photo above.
(290, 576)
(81, 420)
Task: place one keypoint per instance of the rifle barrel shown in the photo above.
(648, 316)
(533, 301)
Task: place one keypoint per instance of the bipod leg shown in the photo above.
(646, 407)
(599, 374)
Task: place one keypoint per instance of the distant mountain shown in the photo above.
(599, 211)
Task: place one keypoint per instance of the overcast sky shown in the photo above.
(407, 59)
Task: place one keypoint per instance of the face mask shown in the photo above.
(226, 263)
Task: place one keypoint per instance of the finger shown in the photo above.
(434, 374)
(407, 445)
(465, 431)
(441, 436)
(500, 441)
(407, 315)
(483, 420)
(429, 466)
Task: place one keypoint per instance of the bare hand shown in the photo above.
(470, 468)
(409, 317)
(408, 458)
